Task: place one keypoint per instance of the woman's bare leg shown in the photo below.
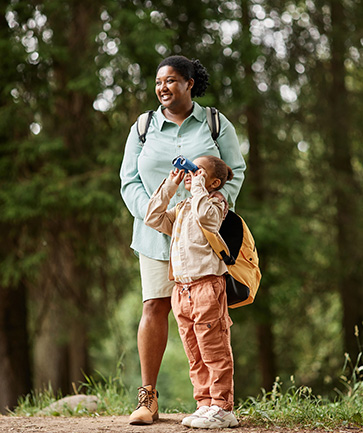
(152, 338)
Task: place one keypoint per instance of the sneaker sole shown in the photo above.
(224, 425)
(188, 423)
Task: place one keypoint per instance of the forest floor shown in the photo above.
(168, 423)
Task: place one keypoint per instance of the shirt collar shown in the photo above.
(197, 113)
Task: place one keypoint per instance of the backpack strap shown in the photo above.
(216, 242)
(213, 123)
(219, 246)
(143, 123)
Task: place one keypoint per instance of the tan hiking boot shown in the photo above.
(147, 409)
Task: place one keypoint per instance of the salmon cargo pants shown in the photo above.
(201, 311)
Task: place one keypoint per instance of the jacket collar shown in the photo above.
(197, 113)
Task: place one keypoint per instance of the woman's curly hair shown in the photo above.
(189, 69)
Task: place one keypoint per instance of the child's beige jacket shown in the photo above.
(196, 255)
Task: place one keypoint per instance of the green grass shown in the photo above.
(34, 402)
(296, 406)
(299, 406)
(114, 398)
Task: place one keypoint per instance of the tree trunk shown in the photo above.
(61, 351)
(15, 371)
(51, 350)
(346, 191)
(265, 337)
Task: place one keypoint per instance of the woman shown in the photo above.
(179, 126)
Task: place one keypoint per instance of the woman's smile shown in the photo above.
(171, 88)
(165, 97)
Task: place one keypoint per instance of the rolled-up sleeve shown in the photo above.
(208, 211)
(231, 154)
(158, 216)
(133, 191)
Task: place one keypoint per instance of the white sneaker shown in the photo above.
(198, 413)
(216, 417)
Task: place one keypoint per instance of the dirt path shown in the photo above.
(168, 423)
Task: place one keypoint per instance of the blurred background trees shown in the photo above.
(74, 77)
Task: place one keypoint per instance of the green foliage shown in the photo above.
(36, 401)
(114, 397)
(299, 406)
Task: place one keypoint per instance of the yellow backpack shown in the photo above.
(234, 244)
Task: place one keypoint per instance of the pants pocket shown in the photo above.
(213, 339)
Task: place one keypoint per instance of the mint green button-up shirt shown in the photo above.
(144, 167)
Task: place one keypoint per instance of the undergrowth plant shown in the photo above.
(35, 402)
(113, 396)
(299, 406)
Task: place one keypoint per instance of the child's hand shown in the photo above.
(176, 176)
(200, 172)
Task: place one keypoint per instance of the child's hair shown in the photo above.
(220, 169)
(189, 69)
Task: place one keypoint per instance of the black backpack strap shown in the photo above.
(143, 123)
(213, 123)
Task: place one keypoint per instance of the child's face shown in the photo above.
(205, 170)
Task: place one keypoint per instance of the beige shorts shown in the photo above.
(154, 278)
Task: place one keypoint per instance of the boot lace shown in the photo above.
(145, 397)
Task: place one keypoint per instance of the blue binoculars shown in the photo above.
(184, 164)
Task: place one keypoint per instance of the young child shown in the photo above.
(199, 299)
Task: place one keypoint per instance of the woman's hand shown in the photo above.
(176, 176)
